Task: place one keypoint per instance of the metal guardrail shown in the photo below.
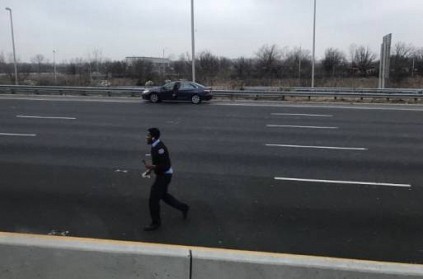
(324, 92)
(278, 93)
(72, 90)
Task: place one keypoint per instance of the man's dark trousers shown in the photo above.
(159, 192)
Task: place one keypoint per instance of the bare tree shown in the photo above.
(95, 59)
(79, 68)
(296, 63)
(2, 63)
(208, 67)
(334, 58)
(225, 68)
(38, 59)
(142, 71)
(418, 61)
(182, 67)
(401, 61)
(269, 61)
(243, 68)
(10, 70)
(116, 68)
(363, 60)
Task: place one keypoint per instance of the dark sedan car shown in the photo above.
(178, 90)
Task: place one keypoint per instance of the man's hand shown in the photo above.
(150, 167)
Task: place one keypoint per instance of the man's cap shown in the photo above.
(154, 132)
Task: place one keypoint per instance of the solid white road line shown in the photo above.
(300, 114)
(17, 135)
(45, 117)
(343, 182)
(317, 147)
(294, 126)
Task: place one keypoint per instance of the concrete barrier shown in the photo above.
(213, 264)
(53, 257)
(34, 256)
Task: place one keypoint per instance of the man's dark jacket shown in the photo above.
(160, 158)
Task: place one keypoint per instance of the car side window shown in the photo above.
(187, 86)
(169, 86)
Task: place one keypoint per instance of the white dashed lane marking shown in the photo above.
(342, 182)
(45, 117)
(17, 135)
(296, 126)
(317, 147)
(301, 114)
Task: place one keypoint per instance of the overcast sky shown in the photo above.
(230, 28)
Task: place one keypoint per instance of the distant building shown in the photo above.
(160, 65)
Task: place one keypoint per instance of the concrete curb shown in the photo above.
(38, 256)
(52, 257)
(232, 264)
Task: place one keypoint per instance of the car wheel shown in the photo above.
(195, 99)
(154, 98)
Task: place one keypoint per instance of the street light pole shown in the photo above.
(192, 40)
(314, 47)
(13, 43)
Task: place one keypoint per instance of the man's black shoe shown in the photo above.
(151, 227)
(185, 213)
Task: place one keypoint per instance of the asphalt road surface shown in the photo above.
(329, 180)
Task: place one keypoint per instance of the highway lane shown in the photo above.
(82, 174)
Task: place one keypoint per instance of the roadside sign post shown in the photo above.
(385, 61)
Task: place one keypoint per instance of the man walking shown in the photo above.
(163, 170)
